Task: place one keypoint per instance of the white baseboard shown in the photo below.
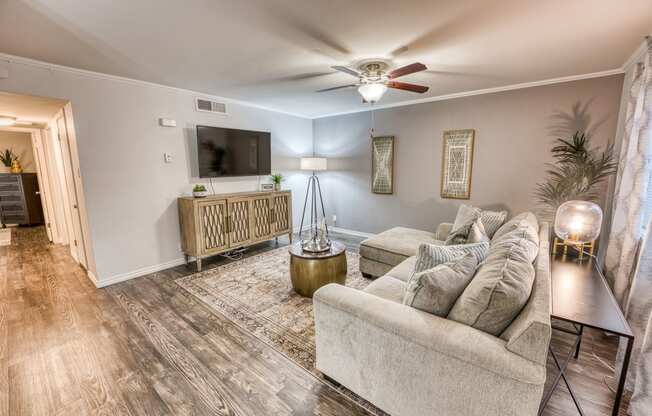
(177, 262)
(351, 232)
(340, 230)
(136, 273)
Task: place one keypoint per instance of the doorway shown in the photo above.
(47, 124)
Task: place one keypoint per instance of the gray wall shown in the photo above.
(514, 133)
(130, 192)
(21, 145)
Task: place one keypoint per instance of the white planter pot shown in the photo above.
(5, 169)
(200, 194)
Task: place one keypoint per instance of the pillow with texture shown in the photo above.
(431, 255)
(436, 290)
(467, 228)
(525, 219)
(492, 220)
(500, 288)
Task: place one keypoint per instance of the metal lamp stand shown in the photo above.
(313, 243)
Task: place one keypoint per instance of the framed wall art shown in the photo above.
(457, 164)
(382, 165)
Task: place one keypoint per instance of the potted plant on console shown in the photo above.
(199, 191)
(277, 178)
(6, 159)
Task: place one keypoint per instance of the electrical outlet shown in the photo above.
(167, 157)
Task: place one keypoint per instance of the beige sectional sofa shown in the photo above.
(412, 363)
(380, 253)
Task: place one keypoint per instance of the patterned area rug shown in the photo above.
(256, 294)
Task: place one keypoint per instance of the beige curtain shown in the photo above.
(627, 223)
(632, 280)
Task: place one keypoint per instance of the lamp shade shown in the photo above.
(578, 221)
(313, 163)
(372, 92)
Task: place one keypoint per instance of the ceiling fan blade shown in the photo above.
(407, 69)
(347, 70)
(407, 87)
(338, 88)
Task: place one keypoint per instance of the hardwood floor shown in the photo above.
(145, 347)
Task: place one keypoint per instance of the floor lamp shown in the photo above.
(317, 240)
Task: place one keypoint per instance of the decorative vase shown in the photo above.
(277, 186)
(15, 166)
(5, 169)
(200, 194)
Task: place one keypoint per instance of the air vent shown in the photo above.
(210, 106)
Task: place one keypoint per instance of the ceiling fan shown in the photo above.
(374, 79)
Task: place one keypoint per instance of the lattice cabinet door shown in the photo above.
(213, 226)
(239, 221)
(261, 218)
(282, 213)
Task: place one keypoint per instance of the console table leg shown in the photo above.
(199, 264)
(623, 376)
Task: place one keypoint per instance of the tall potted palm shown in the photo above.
(576, 173)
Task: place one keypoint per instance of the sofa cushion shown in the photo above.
(500, 288)
(395, 245)
(387, 287)
(404, 269)
(436, 290)
(492, 221)
(525, 219)
(430, 255)
(467, 227)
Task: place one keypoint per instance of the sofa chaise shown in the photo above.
(413, 363)
(380, 253)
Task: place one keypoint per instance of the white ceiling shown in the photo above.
(276, 53)
(39, 110)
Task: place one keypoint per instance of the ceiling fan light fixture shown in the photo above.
(372, 92)
(7, 121)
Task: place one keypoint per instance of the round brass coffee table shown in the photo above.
(310, 271)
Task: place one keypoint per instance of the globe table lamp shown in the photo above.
(317, 239)
(577, 225)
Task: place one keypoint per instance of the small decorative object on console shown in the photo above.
(199, 191)
(577, 224)
(267, 187)
(277, 178)
(15, 166)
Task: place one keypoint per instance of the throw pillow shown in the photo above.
(500, 288)
(436, 290)
(492, 220)
(525, 219)
(467, 228)
(431, 255)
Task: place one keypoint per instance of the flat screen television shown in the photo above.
(232, 152)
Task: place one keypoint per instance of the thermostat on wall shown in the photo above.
(167, 122)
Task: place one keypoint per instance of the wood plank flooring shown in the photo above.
(146, 347)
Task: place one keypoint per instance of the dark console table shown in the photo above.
(582, 297)
(20, 201)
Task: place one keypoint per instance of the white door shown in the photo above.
(77, 242)
(44, 184)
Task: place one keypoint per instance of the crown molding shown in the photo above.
(14, 59)
(492, 90)
(635, 56)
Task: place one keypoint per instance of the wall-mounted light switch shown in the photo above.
(167, 157)
(167, 122)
